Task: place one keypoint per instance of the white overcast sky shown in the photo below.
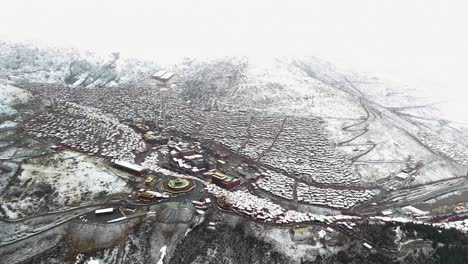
(423, 43)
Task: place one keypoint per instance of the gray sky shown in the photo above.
(419, 42)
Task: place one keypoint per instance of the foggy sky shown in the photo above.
(422, 43)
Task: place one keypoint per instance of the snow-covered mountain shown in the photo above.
(29, 63)
(379, 125)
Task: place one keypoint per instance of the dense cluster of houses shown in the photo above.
(303, 148)
(262, 131)
(336, 198)
(251, 136)
(186, 120)
(151, 162)
(88, 130)
(132, 104)
(229, 129)
(258, 208)
(283, 186)
(277, 184)
(126, 103)
(452, 150)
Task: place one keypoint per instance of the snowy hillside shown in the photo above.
(10, 97)
(62, 179)
(380, 126)
(27, 63)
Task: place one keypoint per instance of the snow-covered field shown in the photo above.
(11, 96)
(74, 174)
(63, 179)
(8, 125)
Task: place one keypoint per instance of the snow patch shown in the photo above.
(93, 261)
(11, 96)
(73, 174)
(163, 254)
(8, 124)
(72, 177)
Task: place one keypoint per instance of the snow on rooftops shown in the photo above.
(81, 128)
(414, 210)
(162, 75)
(167, 76)
(129, 165)
(387, 212)
(282, 186)
(159, 73)
(104, 211)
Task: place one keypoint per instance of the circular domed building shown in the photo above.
(178, 185)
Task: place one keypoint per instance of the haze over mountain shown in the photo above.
(417, 43)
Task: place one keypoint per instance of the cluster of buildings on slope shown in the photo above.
(133, 104)
(151, 162)
(126, 103)
(262, 132)
(258, 208)
(336, 198)
(228, 129)
(276, 184)
(281, 185)
(155, 138)
(452, 150)
(302, 148)
(162, 76)
(302, 142)
(88, 130)
(186, 120)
